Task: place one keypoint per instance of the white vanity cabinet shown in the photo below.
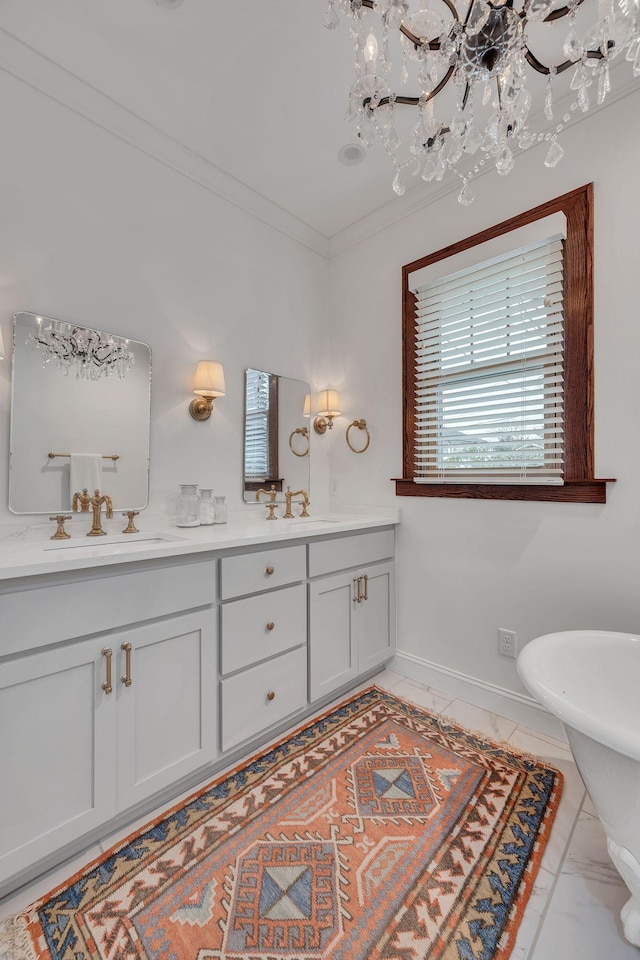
(122, 684)
(351, 613)
(263, 640)
(83, 737)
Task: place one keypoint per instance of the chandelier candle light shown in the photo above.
(481, 53)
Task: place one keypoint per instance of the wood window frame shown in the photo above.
(580, 485)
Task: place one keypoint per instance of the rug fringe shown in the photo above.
(15, 943)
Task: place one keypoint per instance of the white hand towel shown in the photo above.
(86, 471)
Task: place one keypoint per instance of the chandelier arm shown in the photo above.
(555, 14)
(533, 61)
(412, 101)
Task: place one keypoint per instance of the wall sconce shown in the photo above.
(208, 384)
(328, 409)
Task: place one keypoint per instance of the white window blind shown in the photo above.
(489, 371)
(256, 443)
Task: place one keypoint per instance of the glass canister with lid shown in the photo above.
(220, 510)
(188, 506)
(206, 506)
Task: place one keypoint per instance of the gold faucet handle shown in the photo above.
(271, 507)
(61, 533)
(304, 512)
(130, 527)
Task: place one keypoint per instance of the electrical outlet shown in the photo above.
(507, 643)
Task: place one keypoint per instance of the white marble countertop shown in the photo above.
(26, 549)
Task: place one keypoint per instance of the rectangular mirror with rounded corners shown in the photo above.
(77, 391)
(276, 434)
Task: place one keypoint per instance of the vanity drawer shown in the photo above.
(252, 572)
(327, 556)
(256, 628)
(52, 609)
(258, 698)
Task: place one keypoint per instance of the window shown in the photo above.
(498, 367)
(489, 363)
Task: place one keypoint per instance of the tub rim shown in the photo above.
(530, 667)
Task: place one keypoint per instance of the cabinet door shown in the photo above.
(376, 616)
(167, 716)
(57, 751)
(332, 634)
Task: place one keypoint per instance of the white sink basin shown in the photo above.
(113, 543)
(312, 522)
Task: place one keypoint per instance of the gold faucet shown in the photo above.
(96, 505)
(82, 500)
(288, 497)
(271, 506)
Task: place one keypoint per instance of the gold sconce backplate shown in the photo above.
(201, 408)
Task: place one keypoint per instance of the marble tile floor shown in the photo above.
(574, 908)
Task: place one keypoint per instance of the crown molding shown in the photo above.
(423, 195)
(40, 73)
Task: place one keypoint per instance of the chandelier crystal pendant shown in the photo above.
(474, 65)
(91, 353)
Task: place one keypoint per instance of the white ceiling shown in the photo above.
(257, 88)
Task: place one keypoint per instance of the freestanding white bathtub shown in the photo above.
(590, 679)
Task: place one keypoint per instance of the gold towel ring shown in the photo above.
(304, 433)
(361, 425)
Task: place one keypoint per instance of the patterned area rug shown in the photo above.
(377, 831)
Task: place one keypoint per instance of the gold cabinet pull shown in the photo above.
(107, 653)
(365, 595)
(357, 595)
(269, 571)
(270, 625)
(127, 664)
(271, 695)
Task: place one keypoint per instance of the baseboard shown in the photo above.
(516, 706)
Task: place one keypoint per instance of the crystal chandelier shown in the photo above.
(477, 58)
(91, 353)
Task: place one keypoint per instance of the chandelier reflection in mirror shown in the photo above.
(481, 51)
(90, 353)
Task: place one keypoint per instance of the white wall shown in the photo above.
(467, 567)
(95, 231)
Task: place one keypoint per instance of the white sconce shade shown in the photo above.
(209, 379)
(329, 404)
(208, 384)
(307, 406)
(1, 346)
(328, 408)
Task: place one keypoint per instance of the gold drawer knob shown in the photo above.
(269, 571)
(271, 695)
(270, 625)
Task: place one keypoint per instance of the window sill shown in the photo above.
(572, 491)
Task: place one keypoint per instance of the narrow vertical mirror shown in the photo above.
(276, 434)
